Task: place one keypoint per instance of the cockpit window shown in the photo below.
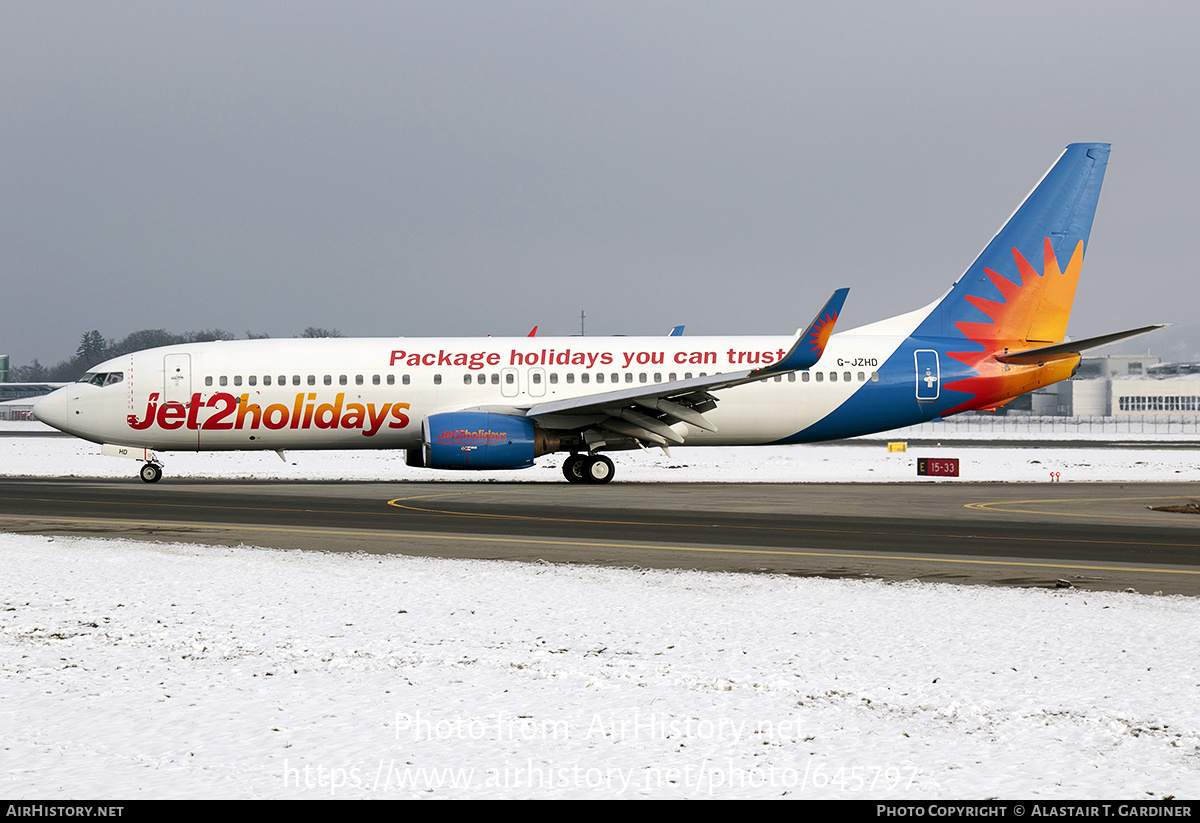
(102, 378)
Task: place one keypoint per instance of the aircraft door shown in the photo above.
(177, 378)
(929, 378)
(537, 382)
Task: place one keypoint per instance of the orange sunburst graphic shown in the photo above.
(822, 329)
(1029, 314)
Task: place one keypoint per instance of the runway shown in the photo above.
(1097, 536)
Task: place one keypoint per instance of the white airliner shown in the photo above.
(497, 403)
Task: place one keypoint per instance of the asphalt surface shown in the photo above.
(1094, 536)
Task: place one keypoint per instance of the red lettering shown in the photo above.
(401, 417)
(151, 412)
(217, 421)
(328, 415)
(376, 420)
(276, 416)
(193, 410)
(244, 408)
(171, 415)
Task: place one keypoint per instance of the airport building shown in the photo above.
(1120, 387)
(17, 399)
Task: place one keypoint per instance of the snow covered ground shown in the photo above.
(132, 669)
(152, 670)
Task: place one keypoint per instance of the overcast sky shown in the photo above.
(443, 168)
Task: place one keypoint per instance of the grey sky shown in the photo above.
(451, 168)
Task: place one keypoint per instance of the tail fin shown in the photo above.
(1018, 293)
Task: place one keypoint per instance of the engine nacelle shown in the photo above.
(481, 440)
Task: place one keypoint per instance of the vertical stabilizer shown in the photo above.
(1020, 289)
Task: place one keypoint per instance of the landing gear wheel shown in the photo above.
(598, 469)
(573, 468)
(151, 473)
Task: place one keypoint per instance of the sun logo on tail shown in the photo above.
(818, 336)
(1031, 313)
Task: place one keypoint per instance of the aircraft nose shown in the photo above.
(52, 409)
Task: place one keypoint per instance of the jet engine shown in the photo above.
(482, 440)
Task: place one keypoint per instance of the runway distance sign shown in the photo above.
(937, 466)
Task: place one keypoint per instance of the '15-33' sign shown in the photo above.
(937, 467)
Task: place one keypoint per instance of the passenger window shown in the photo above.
(862, 377)
(495, 380)
(846, 376)
(342, 380)
(224, 381)
(374, 380)
(599, 378)
(481, 380)
(437, 380)
(266, 379)
(583, 378)
(208, 380)
(466, 379)
(791, 377)
(358, 379)
(537, 378)
(509, 378)
(252, 380)
(328, 380)
(820, 376)
(874, 377)
(295, 380)
(804, 377)
(553, 377)
(237, 380)
(641, 378)
(570, 377)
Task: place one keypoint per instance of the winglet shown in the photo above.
(676, 331)
(810, 344)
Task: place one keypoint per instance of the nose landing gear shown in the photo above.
(151, 472)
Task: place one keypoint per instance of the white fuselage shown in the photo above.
(374, 393)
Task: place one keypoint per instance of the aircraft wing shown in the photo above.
(646, 412)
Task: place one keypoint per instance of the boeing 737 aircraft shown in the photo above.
(495, 403)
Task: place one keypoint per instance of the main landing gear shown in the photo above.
(151, 472)
(588, 468)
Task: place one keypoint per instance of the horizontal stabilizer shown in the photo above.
(1072, 347)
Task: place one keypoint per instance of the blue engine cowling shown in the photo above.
(481, 440)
